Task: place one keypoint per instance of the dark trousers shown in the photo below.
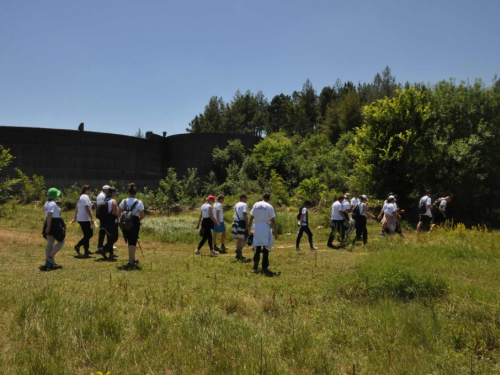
(111, 233)
(337, 227)
(265, 257)
(361, 231)
(207, 225)
(305, 229)
(102, 236)
(88, 233)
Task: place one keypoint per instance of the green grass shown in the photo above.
(419, 305)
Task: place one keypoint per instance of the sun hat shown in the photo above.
(53, 193)
(210, 197)
(106, 187)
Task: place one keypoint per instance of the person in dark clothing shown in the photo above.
(83, 215)
(109, 224)
(361, 212)
(303, 217)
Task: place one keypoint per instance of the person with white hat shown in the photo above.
(361, 211)
(102, 233)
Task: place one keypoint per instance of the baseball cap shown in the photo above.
(105, 187)
(390, 197)
(210, 197)
(364, 197)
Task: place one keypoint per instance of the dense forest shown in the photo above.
(376, 137)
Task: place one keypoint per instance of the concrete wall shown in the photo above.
(65, 157)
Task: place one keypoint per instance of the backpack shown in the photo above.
(356, 215)
(299, 215)
(126, 219)
(102, 210)
(422, 206)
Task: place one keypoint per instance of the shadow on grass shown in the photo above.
(46, 268)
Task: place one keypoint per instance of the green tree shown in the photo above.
(169, 192)
(278, 189)
(311, 189)
(5, 182)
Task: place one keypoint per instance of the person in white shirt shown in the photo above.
(83, 215)
(391, 215)
(109, 224)
(339, 219)
(303, 224)
(439, 215)
(361, 210)
(263, 215)
(132, 236)
(206, 219)
(102, 233)
(240, 224)
(54, 228)
(355, 201)
(218, 211)
(426, 217)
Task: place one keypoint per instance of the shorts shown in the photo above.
(425, 218)
(221, 229)
(239, 229)
(132, 236)
(438, 218)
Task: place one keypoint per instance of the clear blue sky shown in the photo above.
(121, 65)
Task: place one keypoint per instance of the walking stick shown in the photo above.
(140, 247)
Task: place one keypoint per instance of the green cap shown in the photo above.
(53, 193)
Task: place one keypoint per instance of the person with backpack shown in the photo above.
(303, 218)
(207, 219)
(54, 229)
(107, 213)
(131, 213)
(339, 221)
(239, 229)
(439, 212)
(218, 211)
(83, 215)
(424, 210)
(359, 215)
(102, 233)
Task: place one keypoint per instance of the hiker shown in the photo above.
(391, 215)
(439, 214)
(102, 233)
(424, 210)
(83, 215)
(303, 217)
(240, 224)
(218, 212)
(355, 200)
(54, 228)
(359, 214)
(206, 226)
(399, 212)
(339, 220)
(381, 216)
(263, 214)
(346, 205)
(109, 224)
(131, 236)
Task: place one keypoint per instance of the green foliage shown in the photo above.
(311, 189)
(5, 183)
(278, 189)
(69, 197)
(169, 192)
(222, 159)
(189, 183)
(30, 189)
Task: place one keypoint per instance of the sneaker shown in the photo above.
(88, 253)
(213, 253)
(50, 261)
(113, 256)
(77, 249)
(223, 247)
(114, 248)
(222, 251)
(100, 251)
(298, 249)
(314, 248)
(330, 246)
(197, 252)
(216, 248)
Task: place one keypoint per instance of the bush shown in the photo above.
(69, 197)
(5, 183)
(31, 189)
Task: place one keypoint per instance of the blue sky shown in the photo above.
(121, 65)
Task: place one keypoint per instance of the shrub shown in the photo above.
(31, 189)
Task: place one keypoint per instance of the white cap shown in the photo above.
(105, 187)
(364, 197)
(391, 197)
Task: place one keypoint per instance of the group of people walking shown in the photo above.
(128, 215)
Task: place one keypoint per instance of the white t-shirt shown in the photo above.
(239, 209)
(362, 209)
(304, 219)
(218, 207)
(262, 212)
(390, 209)
(346, 205)
(428, 202)
(101, 197)
(51, 206)
(130, 202)
(336, 208)
(205, 210)
(354, 202)
(443, 204)
(83, 202)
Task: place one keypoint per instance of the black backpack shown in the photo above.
(356, 215)
(126, 219)
(102, 212)
(422, 206)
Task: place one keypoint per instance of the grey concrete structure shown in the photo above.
(65, 157)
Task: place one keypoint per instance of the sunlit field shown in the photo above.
(414, 305)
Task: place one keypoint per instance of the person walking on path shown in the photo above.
(206, 219)
(424, 210)
(263, 215)
(102, 233)
(360, 213)
(439, 214)
(83, 215)
(218, 211)
(131, 236)
(239, 229)
(54, 228)
(303, 224)
(339, 219)
(109, 224)
(391, 215)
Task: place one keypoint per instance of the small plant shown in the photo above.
(31, 189)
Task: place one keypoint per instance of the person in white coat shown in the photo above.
(263, 215)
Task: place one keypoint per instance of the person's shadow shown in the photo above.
(46, 268)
